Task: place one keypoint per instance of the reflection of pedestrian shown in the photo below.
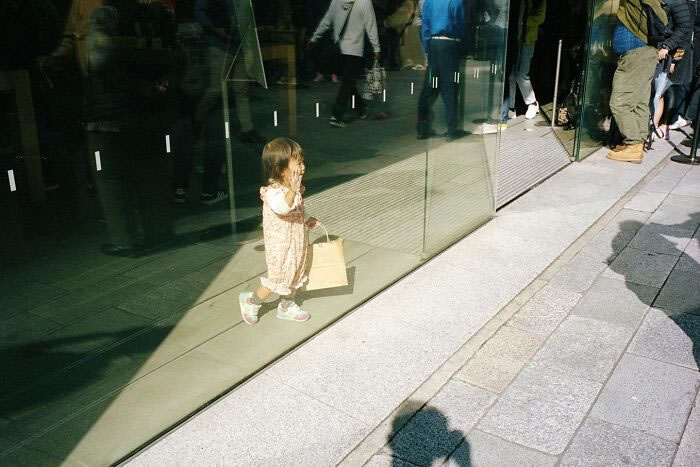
(350, 20)
(129, 109)
(285, 232)
(218, 18)
(528, 16)
(444, 32)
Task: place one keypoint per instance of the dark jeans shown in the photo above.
(183, 153)
(443, 62)
(133, 185)
(352, 69)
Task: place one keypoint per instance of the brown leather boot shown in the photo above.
(632, 153)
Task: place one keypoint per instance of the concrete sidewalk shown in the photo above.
(563, 330)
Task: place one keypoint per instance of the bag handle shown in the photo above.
(318, 224)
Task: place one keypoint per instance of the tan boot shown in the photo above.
(619, 147)
(632, 153)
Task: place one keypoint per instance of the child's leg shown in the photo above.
(288, 309)
(260, 295)
(250, 303)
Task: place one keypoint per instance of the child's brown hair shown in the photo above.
(276, 156)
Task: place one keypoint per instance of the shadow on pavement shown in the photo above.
(684, 313)
(420, 437)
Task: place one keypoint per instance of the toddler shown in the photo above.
(284, 232)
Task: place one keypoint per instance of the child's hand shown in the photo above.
(312, 222)
(295, 180)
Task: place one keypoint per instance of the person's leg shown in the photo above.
(113, 187)
(448, 86)
(522, 73)
(354, 73)
(182, 149)
(345, 91)
(241, 91)
(429, 92)
(217, 60)
(629, 101)
(288, 308)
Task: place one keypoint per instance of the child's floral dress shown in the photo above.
(286, 240)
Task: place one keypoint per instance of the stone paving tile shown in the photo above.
(578, 275)
(646, 201)
(662, 239)
(648, 395)
(369, 364)
(680, 293)
(617, 302)
(598, 443)
(385, 460)
(690, 259)
(545, 310)
(541, 409)
(607, 244)
(484, 450)
(688, 454)
(500, 359)
(628, 220)
(678, 211)
(584, 347)
(436, 430)
(666, 180)
(689, 185)
(641, 267)
(230, 432)
(671, 337)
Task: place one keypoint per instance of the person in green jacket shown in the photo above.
(629, 101)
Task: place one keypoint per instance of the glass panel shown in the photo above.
(461, 162)
(600, 68)
(130, 173)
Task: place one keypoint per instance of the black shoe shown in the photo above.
(425, 134)
(251, 136)
(362, 115)
(455, 134)
(212, 198)
(118, 250)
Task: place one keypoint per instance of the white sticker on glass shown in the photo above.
(98, 161)
(11, 178)
(275, 117)
(226, 129)
(318, 110)
(411, 88)
(384, 96)
(167, 144)
(353, 101)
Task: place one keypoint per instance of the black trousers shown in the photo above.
(352, 67)
(443, 62)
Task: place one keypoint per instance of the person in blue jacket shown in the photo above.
(443, 32)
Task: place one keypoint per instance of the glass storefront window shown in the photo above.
(131, 135)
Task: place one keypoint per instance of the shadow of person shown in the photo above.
(423, 436)
(678, 294)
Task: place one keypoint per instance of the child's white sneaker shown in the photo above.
(532, 110)
(249, 311)
(292, 312)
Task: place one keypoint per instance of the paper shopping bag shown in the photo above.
(326, 265)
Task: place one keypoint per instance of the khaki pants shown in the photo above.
(631, 92)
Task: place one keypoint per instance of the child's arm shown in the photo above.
(276, 198)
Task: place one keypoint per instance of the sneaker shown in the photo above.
(511, 114)
(180, 196)
(293, 313)
(490, 128)
(679, 123)
(532, 111)
(209, 198)
(336, 122)
(363, 115)
(249, 312)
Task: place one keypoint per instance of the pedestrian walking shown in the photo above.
(350, 20)
(284, 232)
(629, 101)
(443, 33)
